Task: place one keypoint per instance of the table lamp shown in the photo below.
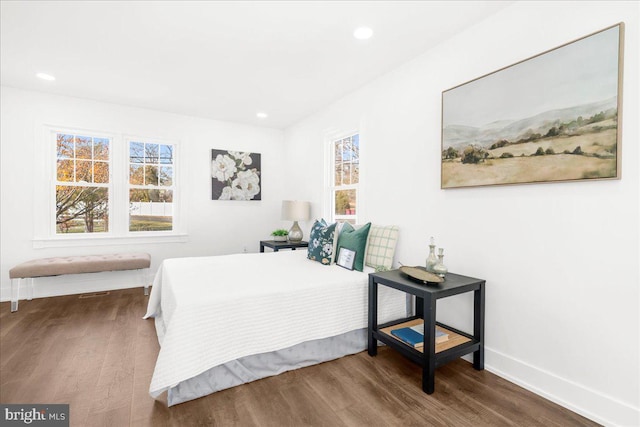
(294, 210)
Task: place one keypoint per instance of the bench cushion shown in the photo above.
(80, 264)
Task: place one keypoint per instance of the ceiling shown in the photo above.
(224, 60)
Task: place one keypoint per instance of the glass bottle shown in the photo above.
(431, 259)
(440, 269)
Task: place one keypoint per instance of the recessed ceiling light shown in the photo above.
(363, 33)
(44, 76)
(262, 115)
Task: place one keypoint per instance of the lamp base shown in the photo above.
(295, 233)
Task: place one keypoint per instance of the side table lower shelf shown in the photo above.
(454, 340)
(458, 344)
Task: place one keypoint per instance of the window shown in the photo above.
(345, 178)
(82, 184)
(150, 186)
(105, 186)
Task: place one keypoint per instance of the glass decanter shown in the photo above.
(432, 260)
(440, 269)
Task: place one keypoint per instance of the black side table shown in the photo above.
(431, 355)
(276, 246)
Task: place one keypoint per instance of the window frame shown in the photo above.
(45, 180)
(56, 183)
(173, 187)
(330, 184)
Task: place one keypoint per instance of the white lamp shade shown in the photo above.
(294, 210)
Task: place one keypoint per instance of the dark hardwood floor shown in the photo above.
(97, 354)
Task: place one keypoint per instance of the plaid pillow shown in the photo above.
(381, 246)
(321, 241)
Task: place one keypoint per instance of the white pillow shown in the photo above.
(381, 246)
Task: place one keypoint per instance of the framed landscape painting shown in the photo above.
(553, 117)
(235, 175)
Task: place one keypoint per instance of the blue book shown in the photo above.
(409, 336)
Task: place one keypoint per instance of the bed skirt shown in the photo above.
(255, 367)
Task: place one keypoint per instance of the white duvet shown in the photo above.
(217, 309)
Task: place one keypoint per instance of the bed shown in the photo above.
(227, 320)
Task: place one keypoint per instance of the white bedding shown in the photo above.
(221, 308)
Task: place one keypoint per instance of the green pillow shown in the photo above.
(356, 240)
(321, 242)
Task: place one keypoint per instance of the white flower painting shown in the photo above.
(235, 175)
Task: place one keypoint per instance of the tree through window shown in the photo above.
(107, 185)
(346, 178)
(82, 183)
(151, 186)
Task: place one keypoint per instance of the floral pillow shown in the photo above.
(321, 242)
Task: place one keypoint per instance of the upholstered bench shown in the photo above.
(75, 265)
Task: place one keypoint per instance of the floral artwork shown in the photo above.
(235, 175)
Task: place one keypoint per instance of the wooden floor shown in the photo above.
(97, 354)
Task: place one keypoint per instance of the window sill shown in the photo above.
(79, 241)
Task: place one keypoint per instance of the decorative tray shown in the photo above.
(421, 274)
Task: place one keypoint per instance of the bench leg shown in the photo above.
(15, 294)
(30, 288)
(144, 273)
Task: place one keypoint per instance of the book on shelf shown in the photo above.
(409, 336)
(414, 337)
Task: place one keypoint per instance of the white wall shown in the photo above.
(213, 227)
(561, 260)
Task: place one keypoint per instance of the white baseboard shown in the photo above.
(587, 402)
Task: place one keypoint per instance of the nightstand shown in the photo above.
(276, 246)
(432, 355)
